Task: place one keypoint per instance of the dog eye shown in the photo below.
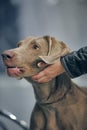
(19, 44)
(35, 46)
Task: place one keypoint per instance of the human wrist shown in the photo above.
(62, 69)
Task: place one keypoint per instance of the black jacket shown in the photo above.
(75, 63)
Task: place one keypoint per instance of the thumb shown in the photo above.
(42, 64)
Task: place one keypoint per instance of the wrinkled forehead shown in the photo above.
(26, 40)
(30, 40)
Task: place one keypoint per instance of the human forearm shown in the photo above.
(75, 63)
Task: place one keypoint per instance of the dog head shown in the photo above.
(22, 61)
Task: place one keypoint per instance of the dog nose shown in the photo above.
(7, 55)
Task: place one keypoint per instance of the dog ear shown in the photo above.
(56, 49)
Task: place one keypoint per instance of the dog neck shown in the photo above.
(51, 91)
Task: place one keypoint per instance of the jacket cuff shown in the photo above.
(63, 62)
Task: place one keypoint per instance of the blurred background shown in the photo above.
(64, 19)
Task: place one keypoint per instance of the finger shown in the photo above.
(42, 64)
(43, 80)
(38, 76)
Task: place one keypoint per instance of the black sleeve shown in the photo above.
(75, 63)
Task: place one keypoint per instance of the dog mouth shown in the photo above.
(15, 71)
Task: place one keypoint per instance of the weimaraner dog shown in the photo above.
(60, 104)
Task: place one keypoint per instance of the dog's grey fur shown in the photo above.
(60, 104)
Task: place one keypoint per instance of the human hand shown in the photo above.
(49, 72)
